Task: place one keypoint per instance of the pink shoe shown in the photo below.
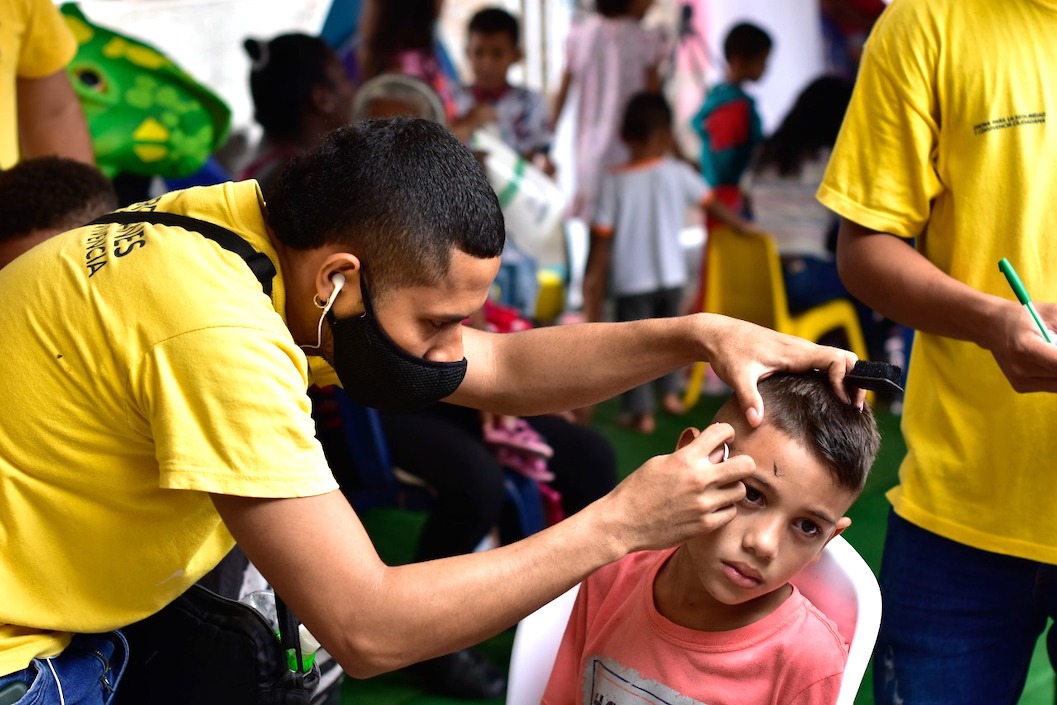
(520, 436)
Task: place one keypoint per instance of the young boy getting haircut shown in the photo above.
(716, 620)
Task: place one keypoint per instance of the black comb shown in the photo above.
(875, 377)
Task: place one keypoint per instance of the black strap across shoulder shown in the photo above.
(258, 262)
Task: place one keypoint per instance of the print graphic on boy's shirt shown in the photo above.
(607, 682)
(1002, 123)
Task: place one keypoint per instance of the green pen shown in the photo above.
(1022, 295)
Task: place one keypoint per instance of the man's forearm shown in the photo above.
(894, 279)
(374, 618)
(563, 367)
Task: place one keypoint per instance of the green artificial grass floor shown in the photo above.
(395, 533)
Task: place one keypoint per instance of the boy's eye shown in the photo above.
(809, 528)
(753, 495)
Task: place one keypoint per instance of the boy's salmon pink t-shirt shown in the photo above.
(619, 649)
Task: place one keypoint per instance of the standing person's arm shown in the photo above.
(373, 618)
(50, 119)
(893, 278)
(561, 97)
(600, 251)
(884, 178)
(596, 273)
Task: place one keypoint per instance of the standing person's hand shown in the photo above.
(1026, 359)
(743, 353)
(672, 498)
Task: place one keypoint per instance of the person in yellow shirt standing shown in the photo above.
(951, 138)
(155, 413)
(39, 112)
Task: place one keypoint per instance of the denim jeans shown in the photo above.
(85, 673)
(959, 624)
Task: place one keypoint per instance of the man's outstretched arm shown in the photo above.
(565, 367)
(374, 618)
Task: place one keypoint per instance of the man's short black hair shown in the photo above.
(746, 41)
(805, 408)
(495, 20)
(400, 193)
(51, 193)
(646, 114)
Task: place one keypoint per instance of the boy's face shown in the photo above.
(792, 508)
(756, 67)
(491, 56)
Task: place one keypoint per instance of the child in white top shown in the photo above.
(635, 250)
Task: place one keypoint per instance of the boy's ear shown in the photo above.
(687, 437)
(842, 524)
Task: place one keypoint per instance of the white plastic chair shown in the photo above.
(840, 584)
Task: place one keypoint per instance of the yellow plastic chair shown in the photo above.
(743, 279)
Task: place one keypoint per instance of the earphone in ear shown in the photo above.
(338, 280)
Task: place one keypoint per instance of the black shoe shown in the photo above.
(465, 674)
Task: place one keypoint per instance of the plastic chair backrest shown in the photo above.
(744, 278)
(843, 587)
(536, 643)
(840, 584)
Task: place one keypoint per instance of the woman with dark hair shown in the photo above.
(783, 183)
(782, 186)
(300, 93)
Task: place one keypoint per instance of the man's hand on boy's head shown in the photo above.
(743, 353)
(675, 497)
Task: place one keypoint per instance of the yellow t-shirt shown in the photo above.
(34, 42)
(951, 137)
(144, 368)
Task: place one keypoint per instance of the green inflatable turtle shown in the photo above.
(146, 115)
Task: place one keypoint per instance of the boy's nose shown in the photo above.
(763, 539)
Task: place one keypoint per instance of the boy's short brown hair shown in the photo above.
(805, 408)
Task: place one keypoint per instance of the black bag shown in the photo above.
(208, 650)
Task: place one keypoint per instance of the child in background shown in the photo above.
(42, 197)
(727, 122)
(300, 93)
(493, 45)
(716, 620)
(782, 183)
(635, 238)
(609, 57)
